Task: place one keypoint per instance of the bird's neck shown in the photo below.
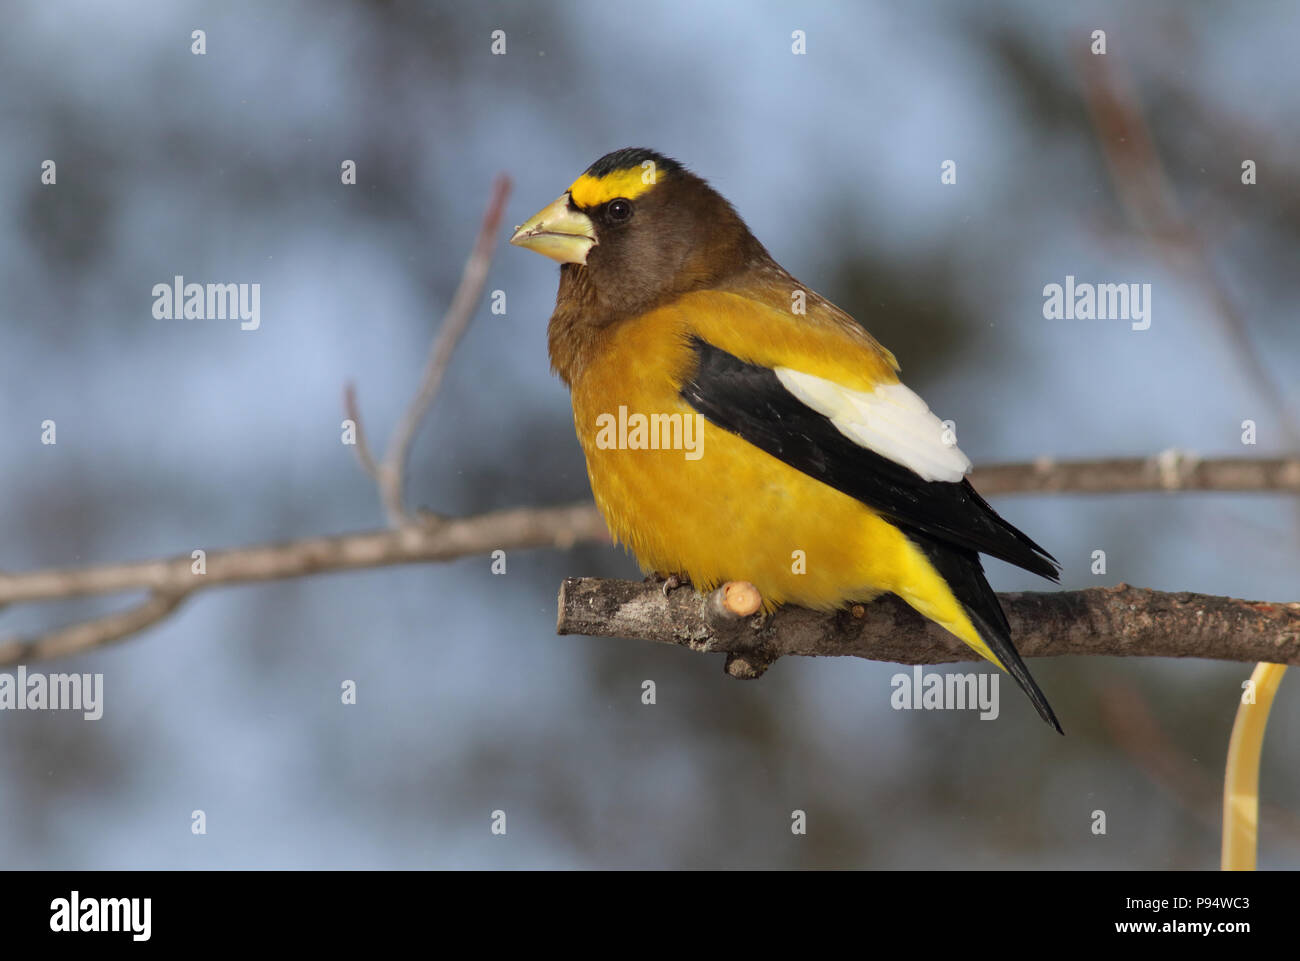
(578, 324)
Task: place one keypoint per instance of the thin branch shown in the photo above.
(559, 527)
(519, 528)
(390, 473)
(96, 632)
(1117, 621)
(1169, 471)
(353, 414)
(172, 579)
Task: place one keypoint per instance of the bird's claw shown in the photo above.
(672, 582)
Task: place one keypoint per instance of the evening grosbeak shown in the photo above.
(817, 475)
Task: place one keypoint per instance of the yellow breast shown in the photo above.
(698, 500)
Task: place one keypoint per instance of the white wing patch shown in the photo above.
(890, 420)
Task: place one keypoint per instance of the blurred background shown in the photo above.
(177, 434)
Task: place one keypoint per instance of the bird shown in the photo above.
(738, 426)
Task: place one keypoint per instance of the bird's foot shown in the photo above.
(670, 581)
(674, 581)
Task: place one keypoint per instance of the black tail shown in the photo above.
(962, 570)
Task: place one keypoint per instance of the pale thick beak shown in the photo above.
(558, 232)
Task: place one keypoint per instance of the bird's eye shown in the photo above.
(619, 211)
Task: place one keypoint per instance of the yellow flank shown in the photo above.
(588, 191)
(736, 512)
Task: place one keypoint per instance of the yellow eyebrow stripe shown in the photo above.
(588, 191)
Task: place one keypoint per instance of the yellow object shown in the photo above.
(738, 426)
(1241, 780)
(557, 231)
(736, 513)
(589, 191)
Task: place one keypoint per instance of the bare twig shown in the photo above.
(363, 446)
(96, 632)
(559, 527)
(172, 579)
(1169, 471)
(390, 473)
(1119, 621)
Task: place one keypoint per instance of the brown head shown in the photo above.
(635, 231)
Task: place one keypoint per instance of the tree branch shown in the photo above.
(169, 581)
(521, 528)
(96, 632)
(1169, 471)
(390, 473)
(1119, 621)
(173, 578)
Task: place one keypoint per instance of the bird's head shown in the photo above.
(636, 229)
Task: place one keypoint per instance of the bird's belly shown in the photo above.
(729, 511)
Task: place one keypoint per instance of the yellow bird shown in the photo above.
(739, 426)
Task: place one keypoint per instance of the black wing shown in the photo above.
(949, 522)
(748, 400)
